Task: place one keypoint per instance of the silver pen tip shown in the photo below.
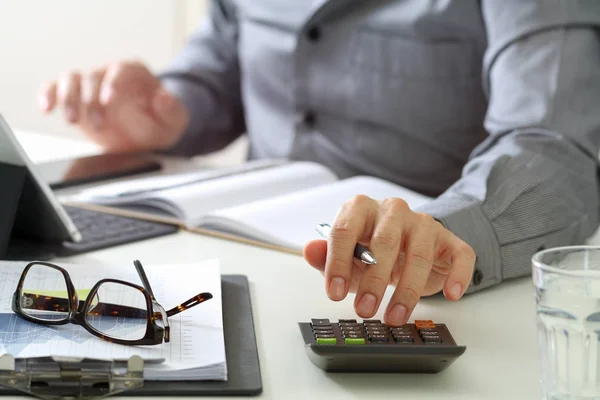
(368, 258)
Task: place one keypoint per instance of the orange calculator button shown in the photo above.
(424, 324)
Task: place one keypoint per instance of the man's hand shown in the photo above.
(414, 253)
(122, 107)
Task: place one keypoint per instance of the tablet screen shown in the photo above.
(40, 216)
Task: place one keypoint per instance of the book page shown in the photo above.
(192, 201)
(197, 341)
(199, 200)
(153, 191)
(290, 220)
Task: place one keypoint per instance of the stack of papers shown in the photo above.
(197, 347)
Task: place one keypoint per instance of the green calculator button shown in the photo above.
(355, 340)
(326, 340)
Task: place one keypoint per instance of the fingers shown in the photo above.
(160, 118)
(419, 258)
(90, 94)
(130, 79)
(47, 97)
(170, 112)
(427, 242)
(352, 221)
(385, 245)
(463, 263)
(414, 252)
(121, 107)
(69, 95)
(77, 94)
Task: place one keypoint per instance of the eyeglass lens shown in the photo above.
(118, 311)
(115, 310)
(44, 295)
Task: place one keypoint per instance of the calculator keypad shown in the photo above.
(353, 332)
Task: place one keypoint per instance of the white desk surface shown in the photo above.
(497, 325)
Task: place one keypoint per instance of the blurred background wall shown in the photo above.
(39, 39)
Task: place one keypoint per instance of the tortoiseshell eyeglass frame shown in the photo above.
(78, 310)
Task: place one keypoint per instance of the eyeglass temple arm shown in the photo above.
(194, 301)
(140, 270)
(49, 303)
(186, 305)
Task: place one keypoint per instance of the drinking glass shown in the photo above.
(567, 283)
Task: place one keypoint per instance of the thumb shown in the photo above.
(315, 253)
(169, 111)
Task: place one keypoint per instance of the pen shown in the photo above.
(360, 251)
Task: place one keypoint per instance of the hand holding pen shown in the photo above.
(360, 252)
(372, 244)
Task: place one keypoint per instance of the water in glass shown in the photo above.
(568, 319)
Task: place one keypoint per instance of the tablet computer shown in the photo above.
(39, 215)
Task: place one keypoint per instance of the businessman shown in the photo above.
(491, 107)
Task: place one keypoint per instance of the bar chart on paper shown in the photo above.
(196, 349)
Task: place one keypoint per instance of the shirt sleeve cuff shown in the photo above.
(198, 102)
(463, 217)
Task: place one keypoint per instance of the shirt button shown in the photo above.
(306, 119)
(313, 33)
(310, 119)
(477, 277)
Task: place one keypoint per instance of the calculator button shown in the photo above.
(429, 333)
(326, 340)
(354, 335)
(324, 335)
(324, 332)
(320, 322)
(375, 326)
(347, 321)
(352, 328)
(378, 339)
(354, 341)
(401, 331)
(423, 324)
(353, 332)
(322, 328)
(432, 339)
(404, 339)
(372, 326)
(372, 322)
(378, 331)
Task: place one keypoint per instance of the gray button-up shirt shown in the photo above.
(491, 106)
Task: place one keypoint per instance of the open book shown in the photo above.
(196, 350)
(274, 204)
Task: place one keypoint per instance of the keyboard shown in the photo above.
(101, 230)
(98, 230)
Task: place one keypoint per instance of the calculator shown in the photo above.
(349, 345)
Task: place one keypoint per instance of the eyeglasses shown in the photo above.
(114, 310)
